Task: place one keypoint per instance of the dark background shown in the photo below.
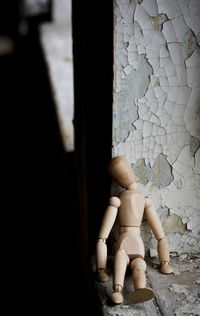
(54, 201)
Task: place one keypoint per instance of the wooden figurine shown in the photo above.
(129, 206)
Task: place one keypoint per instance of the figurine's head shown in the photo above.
(121, 172)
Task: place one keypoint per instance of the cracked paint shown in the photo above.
(160, 174)
(189, 43)
(156, 109)
(158, 21)
(142, 171)
(173, 224)
(194, 144)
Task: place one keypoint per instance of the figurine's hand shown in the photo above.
(102, 275)
(165, 267)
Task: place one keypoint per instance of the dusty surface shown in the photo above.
(175, 294)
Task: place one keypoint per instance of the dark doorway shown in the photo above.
(93, 79)
(60, 198)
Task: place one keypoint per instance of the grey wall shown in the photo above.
(156, 110)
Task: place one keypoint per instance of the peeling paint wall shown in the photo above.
(156, 110)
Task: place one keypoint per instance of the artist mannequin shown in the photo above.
(130, 207)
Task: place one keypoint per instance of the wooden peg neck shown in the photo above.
(133, 186)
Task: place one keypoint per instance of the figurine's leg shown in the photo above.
(121, 261)
(141, 293)
(163, 255)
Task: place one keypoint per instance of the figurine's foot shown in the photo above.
(165, 268)
(142, 295)
(102, 276)
(117, 298)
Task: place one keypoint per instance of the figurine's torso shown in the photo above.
(131, 209)
(130, 217)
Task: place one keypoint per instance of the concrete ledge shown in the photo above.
(175, 294)
(128, 308)
(178, 293)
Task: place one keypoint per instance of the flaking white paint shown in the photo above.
(157, 39)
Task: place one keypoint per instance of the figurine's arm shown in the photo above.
(156, 226)
(106, 226)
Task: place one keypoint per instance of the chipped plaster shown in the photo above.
(160, 174)
(156, 109)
